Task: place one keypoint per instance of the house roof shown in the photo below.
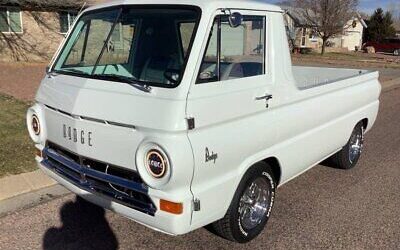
(295, 14)
(49, 4)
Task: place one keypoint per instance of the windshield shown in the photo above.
(145, 45)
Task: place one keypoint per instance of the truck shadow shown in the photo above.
(329, 163)
(84, 226)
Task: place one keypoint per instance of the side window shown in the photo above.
(209, 66)
(186, 32)
(234, 53)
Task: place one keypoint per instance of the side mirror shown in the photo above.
(207, 76)
(47, 69)
(235, 19)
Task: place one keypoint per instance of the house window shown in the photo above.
(303, 37)
(313, 36)
(66, 21)
(10, 20)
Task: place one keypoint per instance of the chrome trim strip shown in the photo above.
(118, 124)
(122, 125)
(93, 120)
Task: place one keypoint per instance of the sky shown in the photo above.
(369, 6)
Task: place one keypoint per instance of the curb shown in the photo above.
(31, 199)
(15, 185)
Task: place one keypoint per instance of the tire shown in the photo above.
(234, 226)
(348, 157)
(396, 52)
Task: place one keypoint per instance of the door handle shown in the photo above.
(266, 97)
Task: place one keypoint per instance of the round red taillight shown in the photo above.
(35, 125)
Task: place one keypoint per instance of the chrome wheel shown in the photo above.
(356, 145)
(254, 203)
(397, 52)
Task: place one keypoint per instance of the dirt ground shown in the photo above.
(387, 65)
(21, 80)
(350, 59)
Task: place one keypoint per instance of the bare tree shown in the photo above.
(45, 5)
(394, 8)
(327, 17)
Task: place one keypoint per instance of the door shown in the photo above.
(230, 103)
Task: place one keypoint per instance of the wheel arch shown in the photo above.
(365, 123)
(273, 162)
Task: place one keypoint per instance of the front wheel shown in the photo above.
(251, 206)
(348, 157)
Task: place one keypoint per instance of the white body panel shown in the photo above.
(310, 117)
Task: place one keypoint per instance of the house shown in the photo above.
(352, 36)
(397, 27)
(302, 35)
(31, 30)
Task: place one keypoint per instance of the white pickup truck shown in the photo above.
(180, 114)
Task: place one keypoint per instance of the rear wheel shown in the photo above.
(348, 157)
(396, 52)
(251, 206)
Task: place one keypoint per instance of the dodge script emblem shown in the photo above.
(211, 157)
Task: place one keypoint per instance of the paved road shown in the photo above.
(324, 208)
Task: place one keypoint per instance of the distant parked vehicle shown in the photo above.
(386, 46)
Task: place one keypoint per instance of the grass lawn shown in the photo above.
(16, 148)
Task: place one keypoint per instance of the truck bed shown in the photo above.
(311, 77)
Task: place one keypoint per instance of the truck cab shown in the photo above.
(181, 114)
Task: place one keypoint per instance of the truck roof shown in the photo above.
(205, 5)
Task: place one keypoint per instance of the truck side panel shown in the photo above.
(300, 128)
